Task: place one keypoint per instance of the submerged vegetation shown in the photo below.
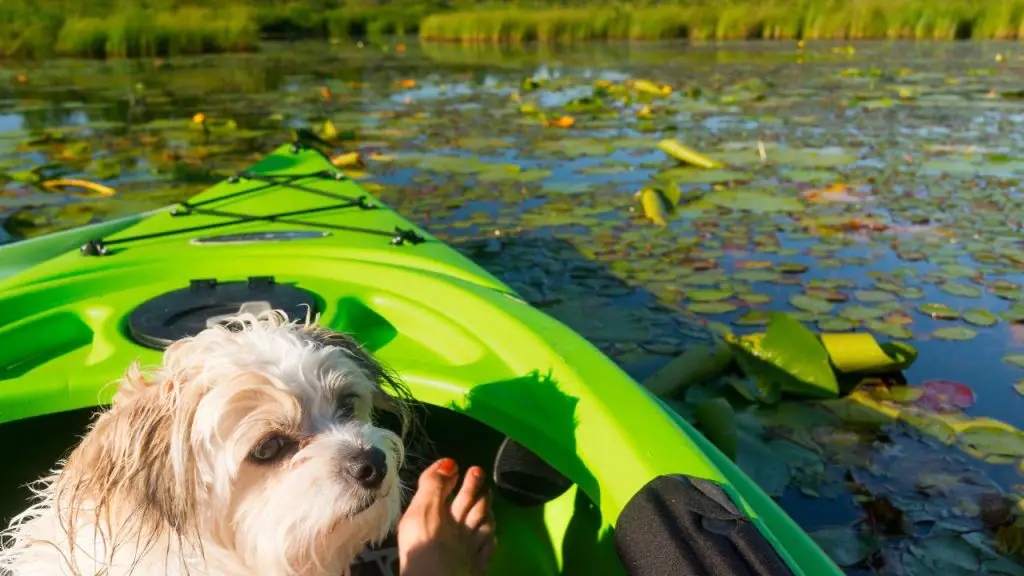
(112, 28)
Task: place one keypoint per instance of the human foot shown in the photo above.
(437, 538)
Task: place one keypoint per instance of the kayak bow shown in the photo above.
(615, 481)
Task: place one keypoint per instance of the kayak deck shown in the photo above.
(461, 339)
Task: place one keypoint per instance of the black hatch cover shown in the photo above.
(204, 303)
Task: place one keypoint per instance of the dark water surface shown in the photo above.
(890, 180)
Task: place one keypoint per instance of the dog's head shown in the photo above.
(256, 437)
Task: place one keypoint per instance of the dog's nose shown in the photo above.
(368, 467)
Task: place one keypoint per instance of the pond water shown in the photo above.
(864, 183)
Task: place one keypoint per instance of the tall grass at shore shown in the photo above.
(123, 28)
(743, 19)
(132, 32)
(188, 30)
(129, 28)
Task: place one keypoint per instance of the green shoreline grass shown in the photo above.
(102, 29)
(123, 28)
(744, 19)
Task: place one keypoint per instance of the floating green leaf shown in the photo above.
(962, 290)
(708, 295)
(811, 304)
(954, 333)
(711, 307)
(747, 200)
(844, 545)
(754, 318)
(1015, 359)
(856, 312)
(992, 438)
(836, 325)
(755, 298)
(789, 354)
(873, 296)
(717, 420)
(980, 317)
(699, 363)
(938, 311)
(890, 329)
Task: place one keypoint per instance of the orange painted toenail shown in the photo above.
(478, 472)
(446, 467)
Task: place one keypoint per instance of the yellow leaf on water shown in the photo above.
(97, 189)
(649, 87)
(655, 206)
(687, 155)
(328, 130)
(857, 352)
(348, 159)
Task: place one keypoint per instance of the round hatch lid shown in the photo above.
(205, 303)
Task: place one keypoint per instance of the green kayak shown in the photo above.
(593, 474)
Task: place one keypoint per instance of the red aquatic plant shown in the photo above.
(945, 396)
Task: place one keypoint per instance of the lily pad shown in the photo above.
(945, 396)
(754, 318)
(754, 298)
(717, 420)
(860, 352)
(836, 325)
(938, 311)
(962, 290)
(954, 333)
(856, 312)
(789, 355)
(1015, 359)
(992, 438)
(709, 295)
(811, 303)
(711, 307)
(701, 176)
(845, 546)
(980, 317)
(748, 201)
(890, 329)
(874, 296)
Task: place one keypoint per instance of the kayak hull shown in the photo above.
(460, 339)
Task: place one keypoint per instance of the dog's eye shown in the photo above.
(347, 405)
(270, 449)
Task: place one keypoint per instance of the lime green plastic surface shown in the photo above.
(457, 335)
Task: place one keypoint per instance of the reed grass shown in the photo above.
(738, 19)
(188, 30)
(119, 28)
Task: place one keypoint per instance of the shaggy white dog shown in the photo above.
(251, 450)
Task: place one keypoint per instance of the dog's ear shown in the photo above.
(391, 394)
(125, 471)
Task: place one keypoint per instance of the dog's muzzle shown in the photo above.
(368, 468)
